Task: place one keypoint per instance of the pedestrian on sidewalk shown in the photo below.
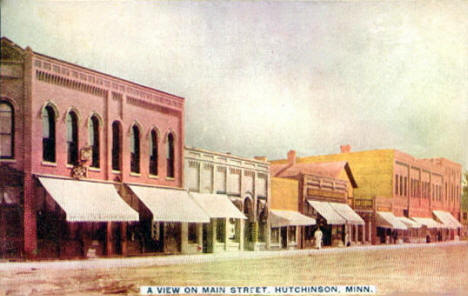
(318, 238)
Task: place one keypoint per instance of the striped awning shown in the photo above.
(170, 205)
(388, 220)
(447, 219)
(84, 201)
(347, 213)
(281, 218)
(327, 212)
(428, 222)
(409, 223)
(217, 205)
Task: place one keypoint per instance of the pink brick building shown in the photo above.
(66, 125)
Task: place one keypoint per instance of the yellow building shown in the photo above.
(287, 224)
(398, 184)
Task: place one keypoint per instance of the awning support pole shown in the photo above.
(109, 239)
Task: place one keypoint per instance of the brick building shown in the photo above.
(324, 192)
(235, 192)
(79, 153)
(394, 185)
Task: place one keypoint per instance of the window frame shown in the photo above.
(49, 144)
(11, 133)
(135, 150)
(95, 136)
(170, 155)
(153, 153)
(73, 139)
(116, 151)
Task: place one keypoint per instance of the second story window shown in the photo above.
(135, 150)
(93, 129)
(7, 129)
(116, 150)
(170, 156)
(153, 158)
(72, 138)
(48, 134)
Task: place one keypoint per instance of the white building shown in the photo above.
(214, 178)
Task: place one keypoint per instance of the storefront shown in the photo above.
(414, 233)
(170, 221)
(390, 230)
(432, 230)
(225, 232)
(354, 223)
(81, 219)
(332, 224)
(453, 225)
(286, 228)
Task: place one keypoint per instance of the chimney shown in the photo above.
(292, 157)
(261, 158)
(345, 148)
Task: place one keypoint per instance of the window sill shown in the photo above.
(10, 160)
(93, 169)
(153, 176)
(49, 164)
(116, 172)
(70, 166)
(170, 178)
(135, 174)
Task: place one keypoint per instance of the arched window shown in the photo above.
(48, 134)
(7, 130)
(72, 138)
(153, 155)
(116, 150)
(93, 129)
(170, 156)
(135, 149)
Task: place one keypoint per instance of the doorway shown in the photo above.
(11, 231)
(284, 237)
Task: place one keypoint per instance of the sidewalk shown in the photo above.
(108, 263)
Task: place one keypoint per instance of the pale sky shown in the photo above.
(261, 78)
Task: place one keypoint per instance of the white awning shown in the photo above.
(280, 218)
(217, 205)
(429, 222)
(170, 205)
(84, 201)
(388, 220)
(327, 212)
(409, 223)
(447, 219)
(347, 213)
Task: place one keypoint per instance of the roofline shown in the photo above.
(95, 71)
(109, 75)
(227, 155)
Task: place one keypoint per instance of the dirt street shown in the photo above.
(438, 270)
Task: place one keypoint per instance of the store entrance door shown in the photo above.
(11, 231)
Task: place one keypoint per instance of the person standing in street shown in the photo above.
(318, 238)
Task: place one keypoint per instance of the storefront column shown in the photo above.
(211, 240)
(267, 234)
(184, 238)
(226, 240)
(123, 238)
(241, 234)
(109, 248)
(372, 235)
(254, 235)
(363, 237)
(30, 226)
(200, 235)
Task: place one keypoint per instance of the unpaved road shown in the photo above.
(438, 270)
